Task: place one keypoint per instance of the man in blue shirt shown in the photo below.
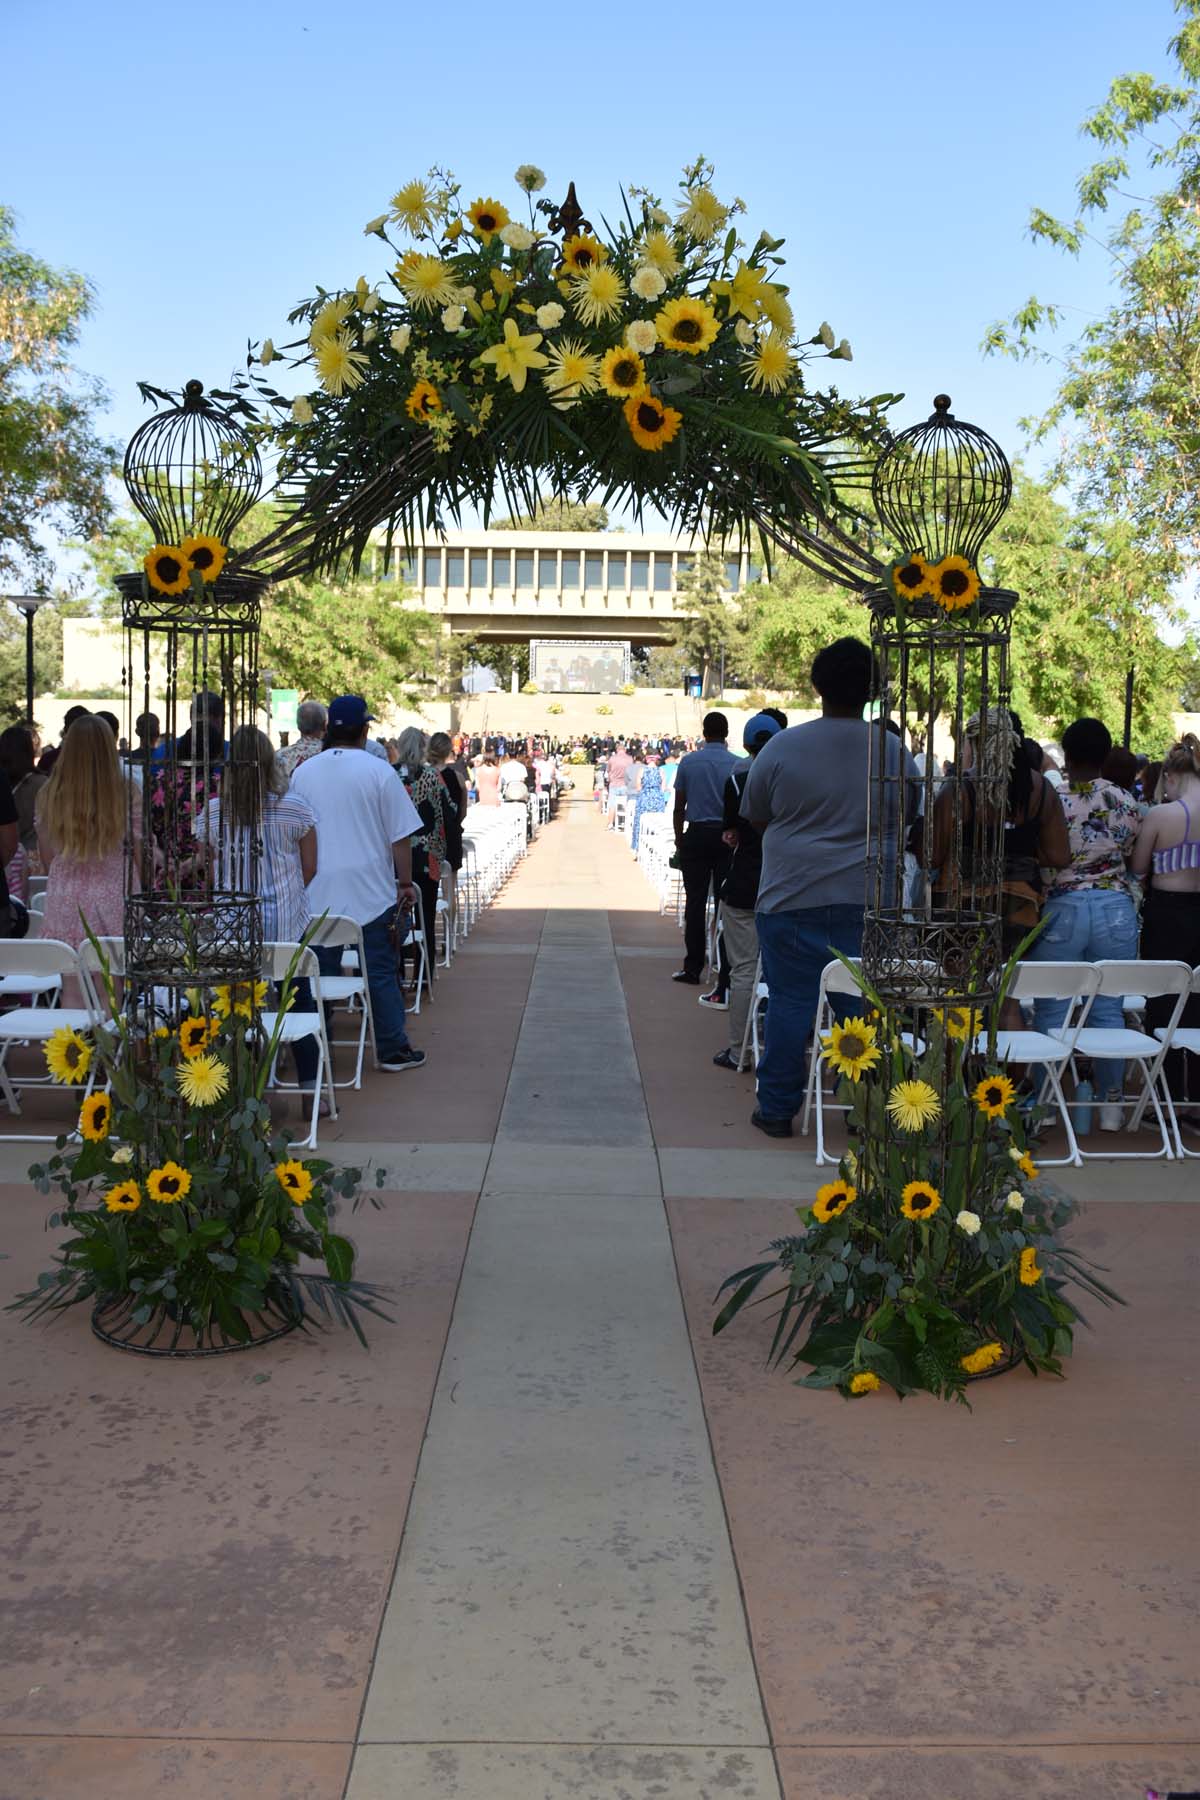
(703, 857)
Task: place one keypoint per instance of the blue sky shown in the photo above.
(206, 167)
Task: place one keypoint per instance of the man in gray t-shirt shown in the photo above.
(807, 792)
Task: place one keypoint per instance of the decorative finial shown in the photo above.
(941, 404)
(567, 219)
(193, 395)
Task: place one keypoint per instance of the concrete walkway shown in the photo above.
(549, 1538)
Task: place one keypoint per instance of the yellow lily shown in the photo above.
(514, 358)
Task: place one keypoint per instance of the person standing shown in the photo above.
(699, 823)
(1168, 849)
(487, 781)
(365, 826)
(311, 718)
(739, 892)
(84, 815)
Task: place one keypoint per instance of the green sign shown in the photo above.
(283, 709)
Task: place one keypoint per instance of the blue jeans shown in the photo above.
(795, 948)
(387, 1001)
(1089, 926)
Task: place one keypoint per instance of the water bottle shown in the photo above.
(1082, 1110)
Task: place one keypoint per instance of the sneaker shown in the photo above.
(725, 1059)
(776, 1128)
(686, 977)
(1112, 1114)
(716, 1001)
(408, 1058)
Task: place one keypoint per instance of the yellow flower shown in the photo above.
(572, 370)
(954, 583)
(652, 424)
(502, 281)
(207, 554)
(910, 578)
(167, 569)
(658, 248)
(202, 1080)
(68, 1056)
(95, 1118)
(195, 1036)
(994, 1095)
(1030, 1271)
(581, 253)
(851, 1047)
(1027, 1166)
(777, 311)
(919, 1200)
(986, 1357)
(702, 214)
(743, 291)
(864, 1382)
(514, 358)
(241, 997)
(770, 368)
(687, 324)
(426, 281)
(125, 1197)
(487, 218)
(168, 1184)
(622, 372)
(597, 294)
(412, 207)
(295, 1181)
(329, 320)
(340, 366)
(913, 1104)
(423, 399)
(833, 1199)
(962, 1022)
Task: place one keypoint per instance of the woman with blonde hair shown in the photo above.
(1168, 850)
(85, 813)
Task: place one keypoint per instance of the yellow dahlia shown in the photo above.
(572, 370)
(239, 997)
(329, 320)
(919, 1200)
(295, 1181)
(487, 218)
(770, 367)
(426, 281)
(658, 248)
(581, 253)
(597, 293)
(168, 1184)
(986, 1357)
(68, 1056)
(423, 399)
(851, 1048)
(652, 424)
(95, 1118)
(994, 1095)
(340, 366)
(622, 372)
(833, 1199)
(1029, 1268)
(207, 554)
(513, 358)
(910, 578)
(167, 569)
(412, 207)
(202, 1080)
(125, 1197)
(702, 214)
(954, 583)
(687, 324)
(776, 309)
(913, 1104)
(864, 1382)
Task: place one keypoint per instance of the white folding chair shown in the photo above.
(1185, 1037)
(416, 936)
(1075, 983)
(350, 989)
(1121, 1043)
(26, 959)
(750, 1036)
(295, 1025)
(37, 911)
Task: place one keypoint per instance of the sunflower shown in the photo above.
(412, 207)
(986, 1357)
(427, 282)
(597, 294)
(919, 1200)
(833, 1199)
(95, 1118)
(68, 1056)
(572, 370)
(864, 1382)
(913, 1105)
(771, 365)
(239, 997)
(954, 583)
(125, 1197)
(962, 1022)
(687, 324)
(622, 372)
(168, 1184)
(205, 554)
(994, 1095)
(581, 253)
(487, 218)
(911, 577)
(295, 1181)
(651, 423)
(195, 1036)
(851, 1047)
(658, 248)
(1029, 1269)
(202, 1080)
(340, 366)
(1027, 1166)
(702, 214)
(167, 569)
(423, 399)
(329, 320)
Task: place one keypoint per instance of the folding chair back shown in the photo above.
(836, 978)
(1124, 1043)
(276, 962)
(348, 989)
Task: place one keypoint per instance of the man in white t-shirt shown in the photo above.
(365, 824)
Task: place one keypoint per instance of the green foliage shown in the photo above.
(790, 618)
(714, 622)
(557, 515)
(343, 638)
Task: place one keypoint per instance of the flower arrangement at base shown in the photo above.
(186, 1215)
(935, 1258)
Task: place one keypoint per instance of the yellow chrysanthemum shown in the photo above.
(994, 1095)
(515, 355)
(202, 1081)
(910, 578)
(329, 320)
(962, 1022)
(776, 309)
(954, 583)
(770, 367)
(851, 1048)
(240, 997)
(864, 1382)
(986, 1357)
(658, 249)
(426, 282)
(652, 424)
(1029, 1269)
(68, 1056)
(340, 366)
(572, 370)
(1027, 1166)
(487, 218)
(687, 324)
(582, 252)
(423, 399)
(919, 1200)
(195, 1036)
(913, 1105)
(125, 1197)
(167, 569)
(833, 1199)
(702, 214)
(295, 1181)
(95, 1118)
(596, 295)
(168, 1184)
(622, 372)
(412, 207)
(206, 554)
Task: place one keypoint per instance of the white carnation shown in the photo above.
(530, 177)
(453, 316)
(370, 333)
(399, 338)
(267, 353)
(968, 1222)
(1015, 1153)
(302, 412)
(549, 316)
(826, 334)
(375, 225)
(648, 283)
(517, 237)
(745, 333)
(124, 1154)
(1016, 1201)
(370, 301)
(641, 336)
(843, 353)
(659, 216)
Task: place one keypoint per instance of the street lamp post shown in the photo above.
(28, 604)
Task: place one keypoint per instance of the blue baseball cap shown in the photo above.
(757, 730)
(349, 712)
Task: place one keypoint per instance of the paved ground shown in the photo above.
(548, 1538)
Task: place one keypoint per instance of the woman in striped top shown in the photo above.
(1168, 850)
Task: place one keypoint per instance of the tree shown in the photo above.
(558, 515)
(790, 618)
(714, 626)
(54, 465)
(330, 638)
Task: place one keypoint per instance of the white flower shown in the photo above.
(453, 316)
(530, 177)
(375, 225)
(745, 333)
(370, 333)
(124, 1154)
(641, 336)
(370, 301)
(1016, 1201)
(517, 237)
(659, 216)
(843, 353)
(648, 284)
(826, 334)
(1015, 1153)
(399, 338)
(302, 412)
(549, 316)
(267, 353)
(968, 1222)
